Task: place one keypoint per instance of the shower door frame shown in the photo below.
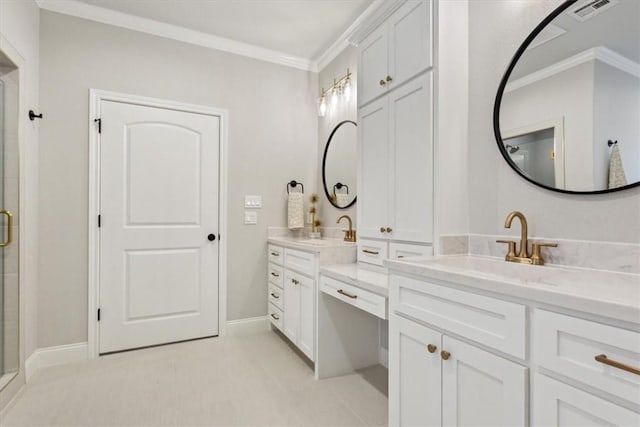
(8, 390)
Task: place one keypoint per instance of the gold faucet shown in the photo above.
(523, 256)
(350, 234)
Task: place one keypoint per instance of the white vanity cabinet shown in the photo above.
(292, 285)
(460, 353)
(396, 51)
(435, 379)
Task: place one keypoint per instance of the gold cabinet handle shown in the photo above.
(294, 281)
(445, 355)
(367, 251)
(275, 296)
(389, 229)
(9, 228)
(275, 316)
(347, 294)
(275, 274)
(432, 348)
(382, 82)
(275, 253)
(389, 78)
(382, 229)
(602, 358)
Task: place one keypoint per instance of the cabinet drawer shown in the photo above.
(276, 296)
(357, 297)
(303, 262)
(404, 250)
(561, 405)
(569, 346)
(492, 322)
(275, 315)
(276, 254)
(372, 251)
(276, 274)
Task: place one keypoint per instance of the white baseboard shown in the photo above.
(247, 326)
(383, 357)
(52, 356)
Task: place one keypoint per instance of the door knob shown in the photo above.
(211, 237)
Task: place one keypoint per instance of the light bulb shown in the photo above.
(347, 89)
(334, 98)
(322, 106)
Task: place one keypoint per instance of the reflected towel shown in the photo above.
(342, 199)
(617, 177)
(295, 211)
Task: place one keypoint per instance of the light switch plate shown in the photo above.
(253, 202)
(250, 217)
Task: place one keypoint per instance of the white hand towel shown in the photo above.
(295, 211)
(342, 199)
(617, 177)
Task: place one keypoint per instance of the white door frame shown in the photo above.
(95, 99)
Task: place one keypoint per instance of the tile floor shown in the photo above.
(233, 381)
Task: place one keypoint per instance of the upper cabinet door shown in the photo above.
(479, 388)
(372, 66)
(373, 185)
(410, 47)
(411, 130)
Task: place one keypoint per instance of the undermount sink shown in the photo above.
(322, 242)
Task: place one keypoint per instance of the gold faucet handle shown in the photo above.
(512, 247)
(536, 258)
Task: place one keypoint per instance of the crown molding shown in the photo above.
(600, 53)
(342, 42)
(377, 17)
(144, 25)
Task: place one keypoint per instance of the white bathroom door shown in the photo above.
(159, 202)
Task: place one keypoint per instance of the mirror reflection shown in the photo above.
(339, 165)
(569, 117)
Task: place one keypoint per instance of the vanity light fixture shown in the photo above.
(341, 87)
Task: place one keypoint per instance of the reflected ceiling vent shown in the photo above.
(586, 10)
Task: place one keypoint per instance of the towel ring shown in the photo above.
(294, 184)
(340, 186)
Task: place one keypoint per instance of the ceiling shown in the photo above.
(615, 28)
(300, 28)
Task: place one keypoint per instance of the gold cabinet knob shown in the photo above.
(389, 78)
(389, 229)
(445, 355)
(382, 229)
(432, 348)
(382, 83)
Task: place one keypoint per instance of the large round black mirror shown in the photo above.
(567, 110)
(339, 165)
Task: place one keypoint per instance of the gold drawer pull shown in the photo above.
(294, 281)
(382, 82)
(347, 294)
(275, 316)
(367, 251)
(275, 296)
(445, 355)
(275, 253)
(389, 78)
(431, 348)
(9, 228)
(275, 274)
(602, 358)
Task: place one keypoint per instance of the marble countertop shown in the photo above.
(603, 293)
(310, 245)
(355, 275)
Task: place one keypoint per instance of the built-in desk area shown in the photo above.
(351, 322)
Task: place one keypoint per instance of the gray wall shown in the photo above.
(495, 189)
(272, 139)
(345, 111)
